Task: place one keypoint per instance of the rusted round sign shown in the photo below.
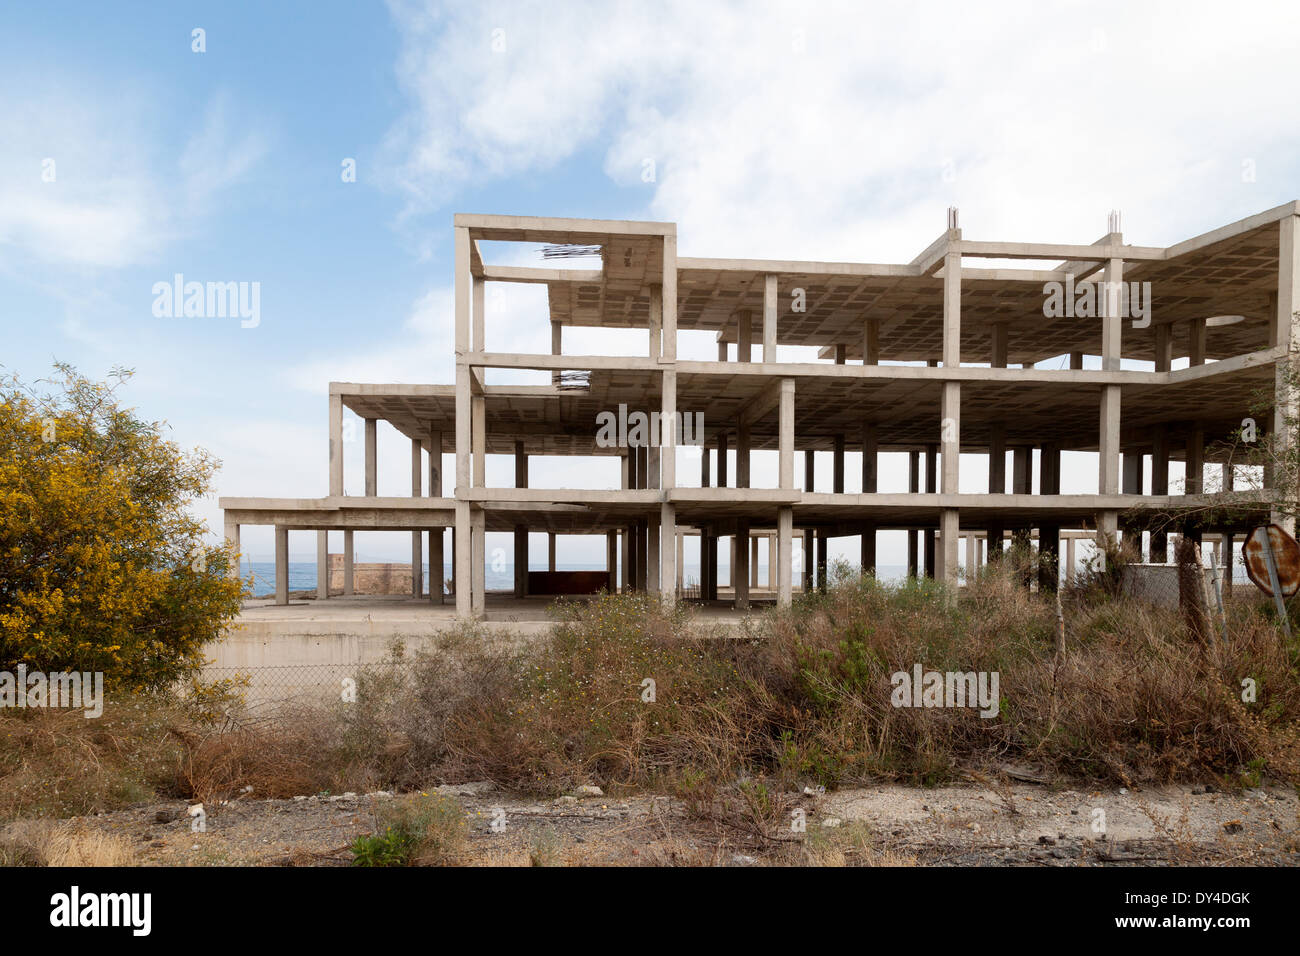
(1286, 559)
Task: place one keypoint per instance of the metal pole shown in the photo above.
(1218, 596)
(1273, 582)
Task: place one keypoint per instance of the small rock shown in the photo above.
(741, 860)
(1045, 840)
(816, 791)
(566, 801)
(165, 816)
(587, 790)
(832, 822)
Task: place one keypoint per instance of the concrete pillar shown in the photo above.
(822, 561)
(769, 318)
(371, 488)
(232, 541)
(784, 554)
(1159, 487)
(478, 408)
(1022, 471)
(642, 554)
(809, 560)
(611, 560)
(709, 563)
(785, 435)
(972, 556)
(1107, 528)
(867, 558)
(999, 334)
(322, 565)
(1049, 470)
(1131, 478)
(668, 300)
(740, 569)
(281, 565)
(627, 560)
(705, 480)
(753, 564)
(417, 544)
(347, 563)
(841, 354)
(1076, 361)
(742, 455)
(913, 487)
(871, 342)
(550, 551)
(480, 314)
(1196, 341)
(479, 541)
(997, 483)
(336, 444)
(870, 460)
(557, 347)
(722, 459)
(1069, 560)
(771, 563)
(462, 552)
(837, 465)
(1112, 325)
(666, 474)
(950, 414)
(1164, 348)
(437, 565)
(681, 557)
(1285, 332)
(521, 530)
(744, 336)
(655, 323)
(670, 553)
(931, 487)
(437, 562)
(653, 556)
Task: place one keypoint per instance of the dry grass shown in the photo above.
(48, 843)
(736, 724)
(58, 763)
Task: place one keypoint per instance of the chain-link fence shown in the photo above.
(268, 687)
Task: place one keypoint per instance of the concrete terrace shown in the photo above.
(1224, 300)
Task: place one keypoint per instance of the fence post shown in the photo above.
(1273, 582)
(1218, 597)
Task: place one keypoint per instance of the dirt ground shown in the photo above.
(968, 825)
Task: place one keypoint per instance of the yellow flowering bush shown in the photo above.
(102, 566)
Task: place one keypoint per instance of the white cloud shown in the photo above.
(117, 195)
(825, 131)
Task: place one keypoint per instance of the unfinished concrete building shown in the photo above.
(933, 358)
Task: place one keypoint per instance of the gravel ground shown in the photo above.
(969, 825)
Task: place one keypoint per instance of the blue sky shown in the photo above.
(798, 131)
